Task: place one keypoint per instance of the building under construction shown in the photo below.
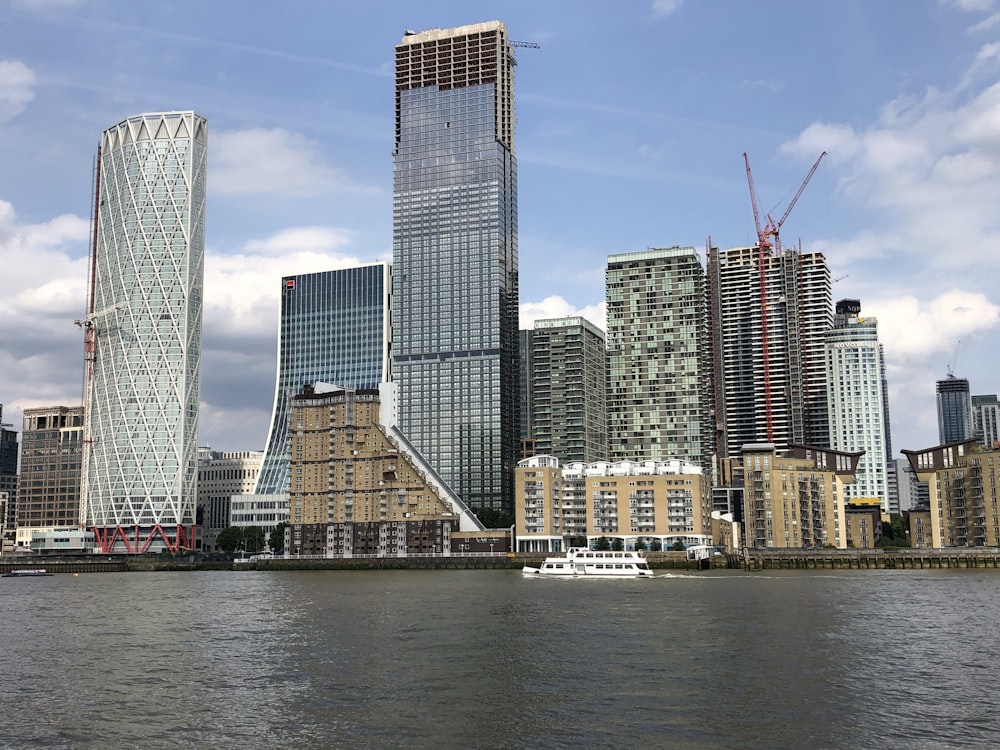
(769, 309)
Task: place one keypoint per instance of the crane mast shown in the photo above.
(764, 251)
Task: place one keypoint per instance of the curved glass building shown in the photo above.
(334, 328)
(143, 334)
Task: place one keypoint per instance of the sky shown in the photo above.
(632, 118)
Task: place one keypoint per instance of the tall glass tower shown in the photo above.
(455, 324)
(954, 410)
(857, 401)
(659, 384)
(143, 334)
(334, 328)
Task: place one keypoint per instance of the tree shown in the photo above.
(677, 546)
(617, 544)
(602, 543)
(230, 539)
(253, 539)
(578, 541)
(276, 541)
(655, 546)
(495, 519)
(640, 546)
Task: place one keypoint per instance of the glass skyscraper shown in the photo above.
(143, 334)
(455, 295)
(855, 385)
(954, 410)
(659, 386)
(334, 328)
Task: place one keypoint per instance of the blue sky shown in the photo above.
(632, 119)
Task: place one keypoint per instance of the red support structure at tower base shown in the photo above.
(136, 540)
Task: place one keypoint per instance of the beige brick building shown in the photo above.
(795, 498)
(963, 488)
(653, 503)
(357, 487)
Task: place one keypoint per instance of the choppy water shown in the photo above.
(486, 659)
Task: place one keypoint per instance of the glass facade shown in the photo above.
(144, 326)
(659, 387)
(455, 320)
(334, 328)
(954, 410)
(856, 398)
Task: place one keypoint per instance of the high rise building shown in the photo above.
(334, 327)
(986, 420)
(768, 316)
(51, 467)
(854, 385)
(8, 484)
(954, 410)
(143, 334)
(659, 385)
(567, 390)
(525, 369)
(455, 283)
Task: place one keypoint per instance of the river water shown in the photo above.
(488, 659)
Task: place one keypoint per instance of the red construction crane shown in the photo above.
(764, 247)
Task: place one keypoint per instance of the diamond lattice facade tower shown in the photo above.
(455, 321)
(334, 327)
(659, 385)
(858, 405)
(768, 315)
(143, 334)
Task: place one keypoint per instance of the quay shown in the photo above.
(903, 559)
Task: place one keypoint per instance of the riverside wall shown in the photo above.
(909, 559)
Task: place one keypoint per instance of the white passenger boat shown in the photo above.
(580, 561)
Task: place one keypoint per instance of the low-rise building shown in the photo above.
(356, 485)
(864, 522)
(221, 475)
(651, 504)
(963, 493)
(795, 498)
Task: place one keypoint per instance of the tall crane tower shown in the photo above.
(765, 249)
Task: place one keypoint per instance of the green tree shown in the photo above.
(640, 546)
(276, 541)
(578, 541)
(495, 519)
(230, 539)
(253, 539)
(602, 543)
(617, 544)
(655, 546)
(677, 546)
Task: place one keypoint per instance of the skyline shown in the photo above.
(631, 125)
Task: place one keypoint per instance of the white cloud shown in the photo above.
(45, 271)
(274, 162)
(44, 5)
(242, 289)
(663, 8)
(16, 83)
(925, 173)
(973, 6)
(555, 306)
